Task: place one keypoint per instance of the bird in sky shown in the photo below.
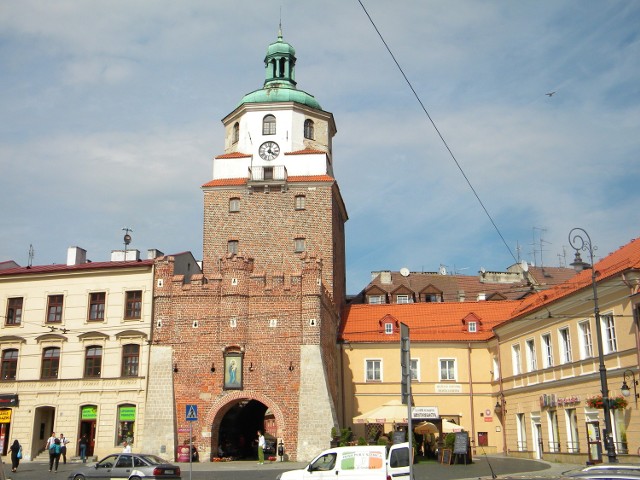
(550, 94)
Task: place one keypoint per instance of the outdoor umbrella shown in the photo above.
(391, 412)
(426, 427)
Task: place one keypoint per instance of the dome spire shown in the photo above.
(280, 64)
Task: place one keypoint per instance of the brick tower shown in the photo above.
(252, 341)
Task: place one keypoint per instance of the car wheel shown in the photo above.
(79, 477)
(134, 478)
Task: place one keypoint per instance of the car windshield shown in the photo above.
(153, 460)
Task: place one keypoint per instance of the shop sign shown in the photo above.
(448, 388)
(89, 413)
(551, 401)
(8, 400)
(127, 414)
(422, 413)
(5, 416)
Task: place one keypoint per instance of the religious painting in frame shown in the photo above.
(233, 371)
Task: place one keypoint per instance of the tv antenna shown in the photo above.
(32, 253)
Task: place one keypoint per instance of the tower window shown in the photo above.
(308, 129)
(300, 202)
(232, 247)
(234, 205)
(236, 132)
(299, 245)
(269, 125)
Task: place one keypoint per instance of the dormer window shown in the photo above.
(472, 327)
(269, 125)
(388, 328)
(236, 132)
(402, 299)
(376, 299)
(308, 129)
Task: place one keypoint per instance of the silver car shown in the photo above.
(130, 466)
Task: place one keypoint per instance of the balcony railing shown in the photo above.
(274, 175)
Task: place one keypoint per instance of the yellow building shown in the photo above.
(74, 352)
(451, 367)
(521, 376)
(550, 367)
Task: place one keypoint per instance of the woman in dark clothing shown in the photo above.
(15, 461)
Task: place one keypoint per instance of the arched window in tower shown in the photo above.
(236, 132)
(308, 129)
(269, 125)
(281, 67)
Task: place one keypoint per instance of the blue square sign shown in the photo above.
(192, 413)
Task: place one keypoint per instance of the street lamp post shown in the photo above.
(579, 240)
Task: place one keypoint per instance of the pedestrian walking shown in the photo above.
(83, 443)
(50, 440)
(261, 444)
(63, 448)
(54, 454)
(16, 454)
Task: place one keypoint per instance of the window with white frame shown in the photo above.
(515, 358)
(609, 334)
(415, 369)
(376, 299)
(565, 345)
(388, 328)
(402, 298)
(532, 360)
(373, 370)
(584, 340)
(496, 368)
(521, 429)
(547, 353)
(472, 327)
(447, 369)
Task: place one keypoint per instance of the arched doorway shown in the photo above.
(43, 425)
(237, 431)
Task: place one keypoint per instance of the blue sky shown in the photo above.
(110, 117)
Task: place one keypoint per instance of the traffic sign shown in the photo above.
(192, 413)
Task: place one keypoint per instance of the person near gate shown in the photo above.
(84, 442)
(261, 444)
(63, 448)
(54, 454)
(16, 454)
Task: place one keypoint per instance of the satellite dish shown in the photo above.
(524, 265)
(483, 270)
(443, 270)
(404, 271)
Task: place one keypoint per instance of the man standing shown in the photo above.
(261, 445)
(63, 448)
(126, 448)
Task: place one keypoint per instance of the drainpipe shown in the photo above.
(502, 415)
(473, 416)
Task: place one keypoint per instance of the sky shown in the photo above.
(110, 116)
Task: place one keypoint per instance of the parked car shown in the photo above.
(606, 471)
(130, 466)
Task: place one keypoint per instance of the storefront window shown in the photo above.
(126, 424)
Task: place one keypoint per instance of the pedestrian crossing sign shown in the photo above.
(192, 413)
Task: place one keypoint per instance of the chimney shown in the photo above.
(119, 255)
(482, 296)
(76, 256)
(461, 296)
(153, 253)
(385, 277)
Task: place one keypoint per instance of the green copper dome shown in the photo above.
(280, 83)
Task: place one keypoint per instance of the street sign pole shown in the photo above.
(191, 415)
(405, 364)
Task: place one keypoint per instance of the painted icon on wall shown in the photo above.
(233, 371)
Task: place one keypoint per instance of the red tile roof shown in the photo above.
(305, 152)
(625, 258)
(60, 267)
(292, 179)
(428, 322)
(234, 155)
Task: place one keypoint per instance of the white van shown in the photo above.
(365, 462)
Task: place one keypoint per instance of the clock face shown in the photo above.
(269, 150)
